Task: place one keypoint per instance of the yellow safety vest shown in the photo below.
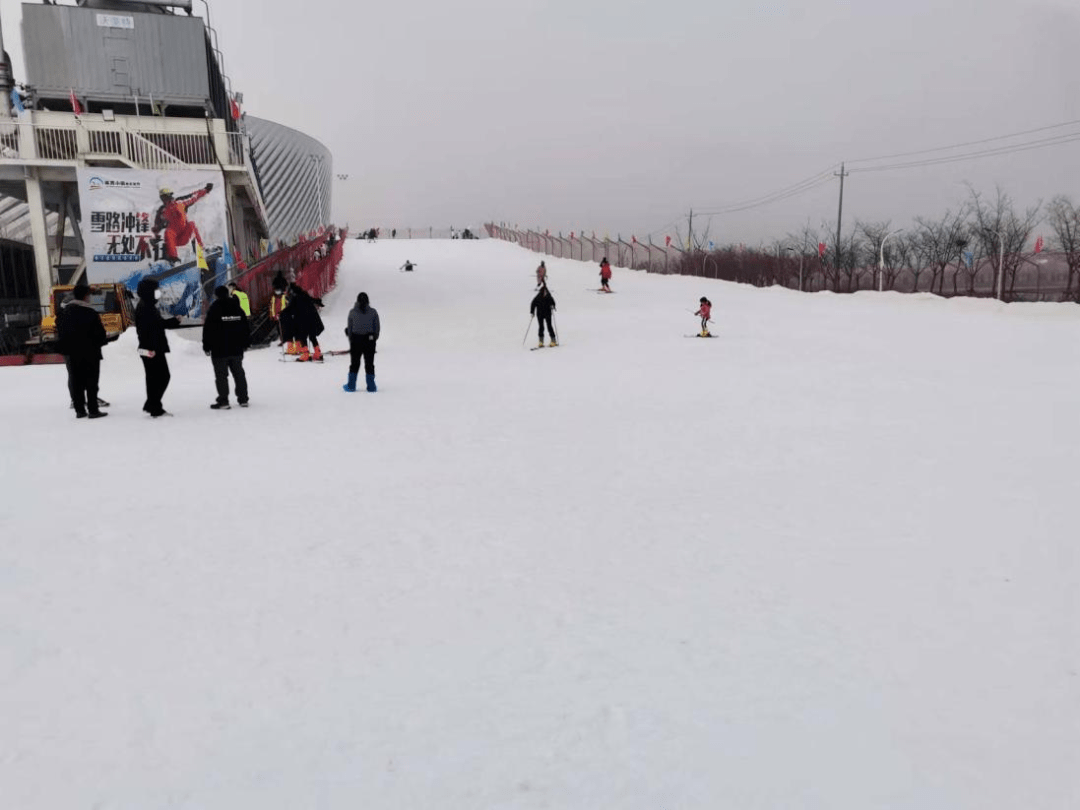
(244, 303)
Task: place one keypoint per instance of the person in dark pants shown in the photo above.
(153, 345)
(542, 307)
(225, 337)
(363, 333)
(305, 320)
(81, 337)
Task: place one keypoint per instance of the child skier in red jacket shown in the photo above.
(605, 275)
(704, 311)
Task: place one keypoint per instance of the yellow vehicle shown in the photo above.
(112, 302)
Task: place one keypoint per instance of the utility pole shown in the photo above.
(839, 214)
(690, 232)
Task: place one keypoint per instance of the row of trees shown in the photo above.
(963, 252)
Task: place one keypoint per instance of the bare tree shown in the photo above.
(942, 243)
(873, 234)
(1064, 218)
(899, 256)
(1003, 233)
(972, 257)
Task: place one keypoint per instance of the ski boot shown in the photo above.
(317, 356)
(305, 355)
(540, 345)
(552, 342)
(704, 333)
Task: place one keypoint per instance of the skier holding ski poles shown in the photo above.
(541, 276)
(703, 312)
(542, 306)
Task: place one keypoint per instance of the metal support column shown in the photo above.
(39, 234)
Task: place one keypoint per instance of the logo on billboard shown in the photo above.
(95, 183)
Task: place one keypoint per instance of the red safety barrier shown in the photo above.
(297, 263)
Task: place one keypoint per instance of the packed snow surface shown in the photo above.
(826, 560)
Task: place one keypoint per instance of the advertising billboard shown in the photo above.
(170, 225)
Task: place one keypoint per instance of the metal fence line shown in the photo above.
(1046, 280)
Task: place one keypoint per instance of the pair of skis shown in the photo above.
(294, 358)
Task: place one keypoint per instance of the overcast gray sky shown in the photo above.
(619, 117)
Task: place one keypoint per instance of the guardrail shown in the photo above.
(149, 147)
(309, 264)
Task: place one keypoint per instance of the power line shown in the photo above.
(780, 194)
(826, 176)
(966, 143)
(1003, 150)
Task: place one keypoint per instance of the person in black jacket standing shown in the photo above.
(225, 337)
(542, 307)
(81, 336)
(306, 322)
(153, 345)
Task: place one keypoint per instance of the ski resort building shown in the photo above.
(124, 153)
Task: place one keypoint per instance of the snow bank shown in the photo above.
(826, 560)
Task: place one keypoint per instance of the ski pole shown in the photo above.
(529, 329)
(555, 326)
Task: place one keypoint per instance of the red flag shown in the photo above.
(821, 250)
(633, 239)
(667, 241)
(571, 234)
(76, 107)
(1038, 244)
(234, 108)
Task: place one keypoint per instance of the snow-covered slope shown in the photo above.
(827, 560)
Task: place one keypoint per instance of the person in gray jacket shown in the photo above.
(363, 332)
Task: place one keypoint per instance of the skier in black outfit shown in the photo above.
(153, 345)
(363, 332)
(542, 307)
(81, 337)
(305, 321)
(225, 337)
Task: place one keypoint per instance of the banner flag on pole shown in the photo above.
(76, 107)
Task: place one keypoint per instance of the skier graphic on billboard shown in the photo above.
(172, 217)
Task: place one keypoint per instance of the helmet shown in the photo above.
(165, 191)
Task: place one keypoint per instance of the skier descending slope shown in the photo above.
(703, 312)
(542, 306)
(605, 275)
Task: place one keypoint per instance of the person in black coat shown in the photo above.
(304, 321)
(542, 307)
(153, 344)
(225, 337)
(81, 336)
